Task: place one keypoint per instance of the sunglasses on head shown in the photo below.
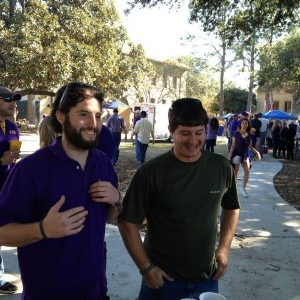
(8, 99)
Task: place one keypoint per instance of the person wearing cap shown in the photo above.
(8, 132)
(56, 201)
(180, 193)
(143, 129)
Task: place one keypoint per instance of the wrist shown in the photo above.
(119, 202)
(42, 229)
(147, 270)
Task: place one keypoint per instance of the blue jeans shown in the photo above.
(176, 290)
(117, 138)
(262, 142)
(140, 150)
(2, 281)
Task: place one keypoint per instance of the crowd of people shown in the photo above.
(68, 190)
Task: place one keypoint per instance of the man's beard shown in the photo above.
(74, 137)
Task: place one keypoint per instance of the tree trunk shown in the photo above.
(222, 73)
(252, 73)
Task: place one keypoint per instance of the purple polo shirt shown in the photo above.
(11, 133)
(64, 268)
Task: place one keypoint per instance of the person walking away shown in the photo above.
(256, 124)
(232, 128)
(211, 136)
(282, 140)
(8, 132)
(143, 129)
(262, 134)
(57, 218)
(276, 137)
(239, 152)
(116, 125)
(270, 134)
(181, 203)
(254, 141)
(290, 141)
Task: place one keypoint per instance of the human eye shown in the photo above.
(200, 132)
(185, 133)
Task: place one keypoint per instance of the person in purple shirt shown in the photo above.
(239, 152)
(211, 135)
(65, 194)
(8, 132)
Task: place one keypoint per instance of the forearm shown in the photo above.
(133, 243)
(229, 221)
(18, 235)
(231, 149)
(112, 213)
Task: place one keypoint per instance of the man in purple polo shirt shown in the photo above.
(8, 132)
(65, 194)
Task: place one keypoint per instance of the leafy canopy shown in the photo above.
(44, 44)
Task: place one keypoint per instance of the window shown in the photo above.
(288, 106)
(152, 100)
(163, 101)
(142, 100)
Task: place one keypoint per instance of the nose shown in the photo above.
(94, 121)
(192, 139)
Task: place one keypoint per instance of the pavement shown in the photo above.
(264, 258)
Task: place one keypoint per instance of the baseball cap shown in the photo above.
(5, 92)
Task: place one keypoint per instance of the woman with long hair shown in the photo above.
(239, 152)
(212, 132)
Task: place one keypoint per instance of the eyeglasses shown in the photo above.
(63, 96)
(8, 99)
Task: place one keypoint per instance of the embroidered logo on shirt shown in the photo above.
(215, 192)
(12, 131)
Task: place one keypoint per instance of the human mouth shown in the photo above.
(90, 133)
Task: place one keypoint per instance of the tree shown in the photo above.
(200, 83)
(231, 20)
(235, 100)
(44, 44)
(280, 64)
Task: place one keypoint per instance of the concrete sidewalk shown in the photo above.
(264, 259)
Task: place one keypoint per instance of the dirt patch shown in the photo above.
(287, 181)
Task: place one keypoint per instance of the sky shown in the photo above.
(158, 29)
(162, 31)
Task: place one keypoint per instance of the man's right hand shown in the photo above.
(59, 224)
(155, 278)
(9, 157)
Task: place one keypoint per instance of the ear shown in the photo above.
(60, 116)
(171, 133)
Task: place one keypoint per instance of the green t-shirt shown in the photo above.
(181, 202)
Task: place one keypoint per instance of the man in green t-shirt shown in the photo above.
(180, 193)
